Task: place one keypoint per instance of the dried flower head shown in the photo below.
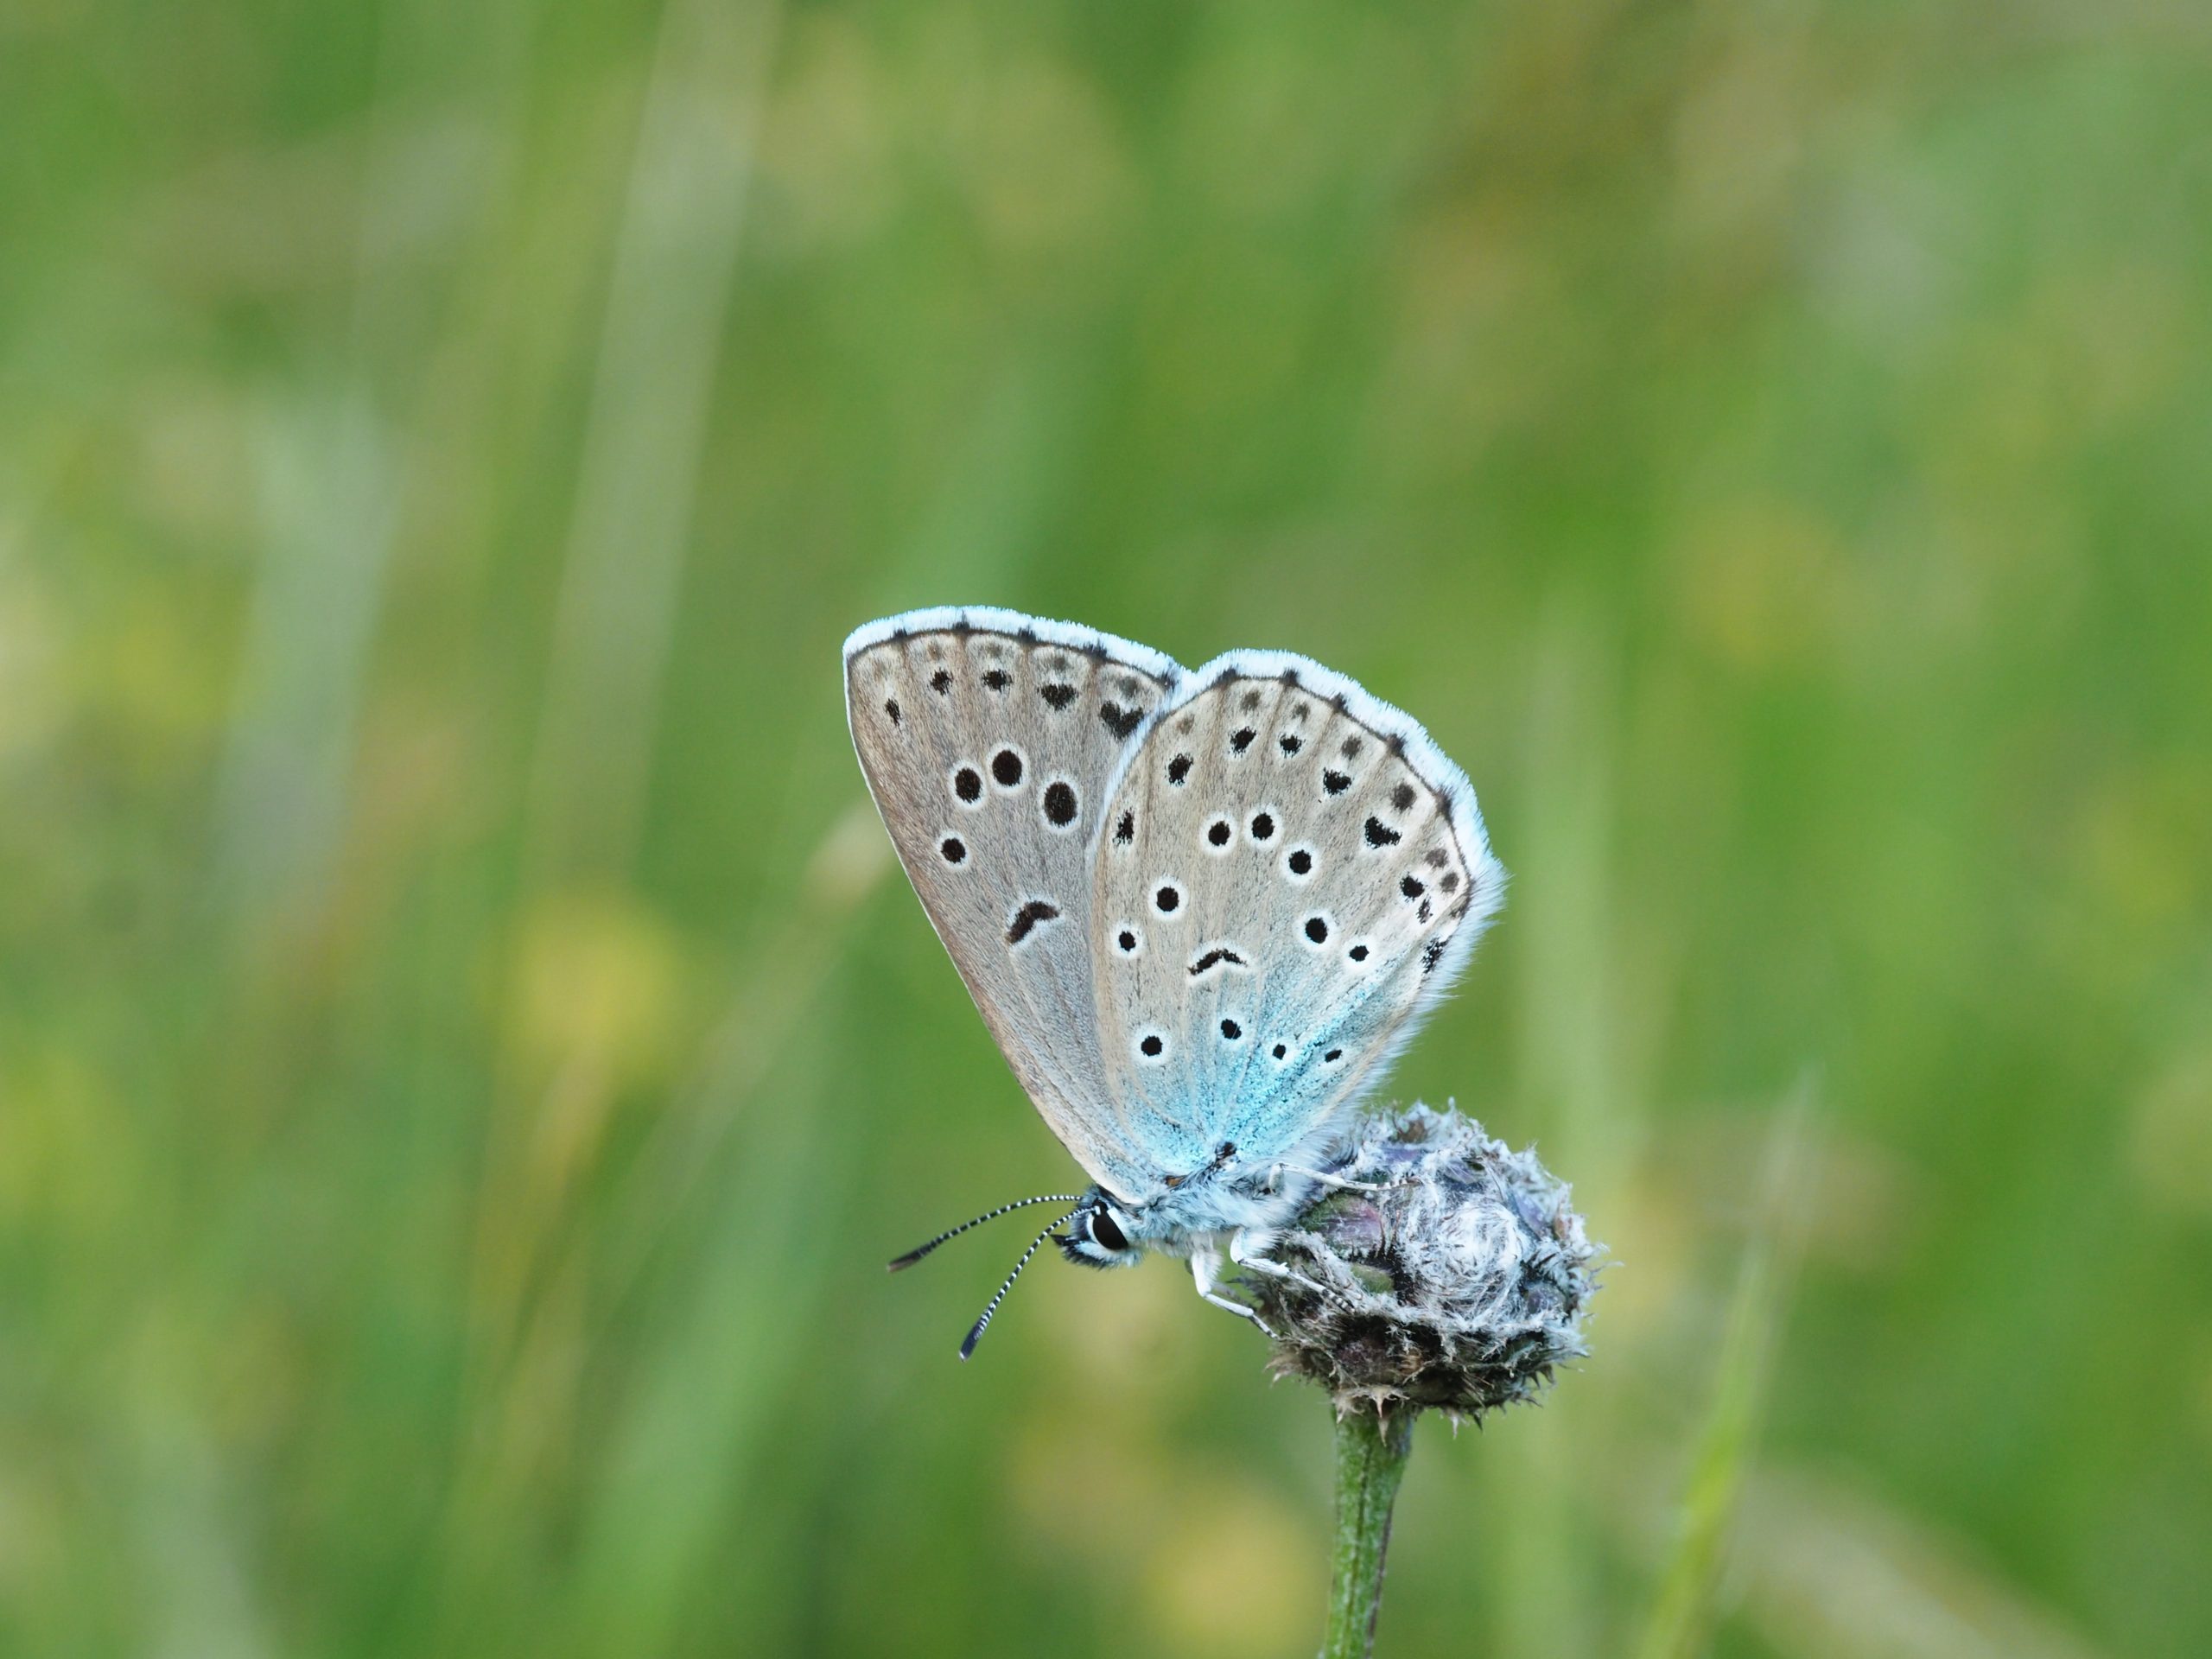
(1456, 1281)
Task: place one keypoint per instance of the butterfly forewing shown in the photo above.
(987, 739)
(1289, 872)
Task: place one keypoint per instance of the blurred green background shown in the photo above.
(465, 1054)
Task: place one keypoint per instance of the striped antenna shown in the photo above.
(916, 1254)
(983, 1324)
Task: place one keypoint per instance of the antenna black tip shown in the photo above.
(921, 1250)
(975, 1335)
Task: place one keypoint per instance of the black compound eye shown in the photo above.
(1104, 1232)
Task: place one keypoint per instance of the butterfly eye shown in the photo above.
(1103, 1231)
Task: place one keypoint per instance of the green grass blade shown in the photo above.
(1683, 1615)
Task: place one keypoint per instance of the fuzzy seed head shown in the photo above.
(1458, 1284)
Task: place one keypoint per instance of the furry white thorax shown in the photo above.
(1237, 1202)
(1177, 1221)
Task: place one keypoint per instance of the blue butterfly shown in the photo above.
(1200, 911)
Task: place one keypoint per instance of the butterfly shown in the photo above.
(1200, 911)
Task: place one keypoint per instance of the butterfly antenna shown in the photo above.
(917, 1254)
(982, 1325)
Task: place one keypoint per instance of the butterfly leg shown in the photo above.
(1205, 1269)
(1276, 1174)
(1246, 1255)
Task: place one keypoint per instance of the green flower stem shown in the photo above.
(1371, 1453)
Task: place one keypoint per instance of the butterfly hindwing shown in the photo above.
(987, 739)
(1289, 873)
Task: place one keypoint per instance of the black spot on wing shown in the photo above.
(1026, 919)
(1403, 796)
(1214, 958)
(1119, 720)
(1241, 739)
(997, 678)
(941, 682)
(1126, 830)
(890, 708)
(1179, 769)
(1060, 804)
(1058, 695)
(1335, 782)
(1380, 834)
(1290, 743)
